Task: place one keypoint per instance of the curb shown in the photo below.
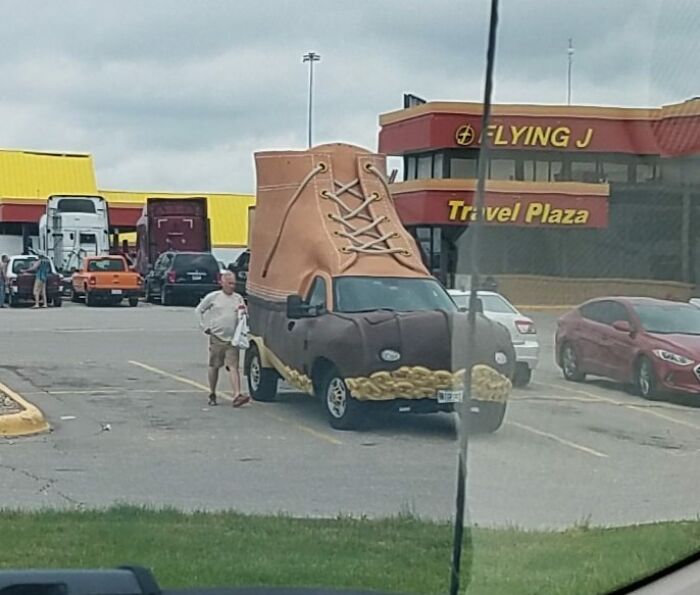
(27, 422)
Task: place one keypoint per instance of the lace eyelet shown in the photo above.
(322, 165)
(405, 253)
(376, 197)
(330, 216)
(368, 166)
(324, 194)
(395, 235)
(345, 250)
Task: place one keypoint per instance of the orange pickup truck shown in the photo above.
(107, 279)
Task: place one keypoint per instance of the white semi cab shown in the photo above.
(74, 227)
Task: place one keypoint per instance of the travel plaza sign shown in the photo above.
(566, 205)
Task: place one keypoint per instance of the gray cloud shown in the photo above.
(178, 94)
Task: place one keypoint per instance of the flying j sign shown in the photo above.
(557, 137)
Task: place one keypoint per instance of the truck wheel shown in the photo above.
(262, 382)
(133, 302)
(12, 301)
(74, 297)
(57, 301)
(166, 297)
(148, 295)
(485, 417)
(89, 299)
(522, 376)
(344, 411)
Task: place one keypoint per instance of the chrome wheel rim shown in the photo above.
(570, 366)
(337, 398)
(644, 378)
(255, 373)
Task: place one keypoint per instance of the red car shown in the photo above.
(651, 344)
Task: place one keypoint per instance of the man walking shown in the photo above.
(4, 262)
(218, 314)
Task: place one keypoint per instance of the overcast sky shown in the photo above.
(178, 94)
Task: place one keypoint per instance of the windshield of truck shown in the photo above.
(669, 319)
(106, 265)
(185, 263)
(20, 265)
(364, 294)
(76, 205)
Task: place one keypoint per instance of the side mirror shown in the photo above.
(296, 308)
(623, 326)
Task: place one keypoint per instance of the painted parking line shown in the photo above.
(201, 387)
(647, 409)
(110, 390)
(559, 439)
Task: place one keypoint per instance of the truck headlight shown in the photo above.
(389, 355)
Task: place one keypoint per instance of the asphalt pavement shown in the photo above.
(124, 390)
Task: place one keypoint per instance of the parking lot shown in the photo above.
(124, 390)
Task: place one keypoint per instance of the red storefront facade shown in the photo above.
(552, 170)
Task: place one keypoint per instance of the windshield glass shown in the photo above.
(672, 319)
(195, 262)
(364, 294)
(76, 205)
(20, 265)
(492, 303)
(106, 264)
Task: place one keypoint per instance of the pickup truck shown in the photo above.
(20, 282)
(107, 279)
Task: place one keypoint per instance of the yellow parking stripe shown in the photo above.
(563, 441)
(298, 426)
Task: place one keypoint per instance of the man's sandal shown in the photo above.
(241, 400)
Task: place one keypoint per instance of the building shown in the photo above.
(28, 178)
(572, 193)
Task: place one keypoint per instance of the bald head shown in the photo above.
(228, 282)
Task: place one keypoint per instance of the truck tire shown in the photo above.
(487, 419)
(12, 300)
(522, 375)
(166, 297)
(262, 382)
(344, 411)
(74, 296)
(57, 301)
(148, 295)
(133, 302)
(89, 299)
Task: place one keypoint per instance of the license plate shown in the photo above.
(196, 277)
(450, 396)
(116, 292)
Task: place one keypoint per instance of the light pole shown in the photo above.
(311, 57)
(570, 53)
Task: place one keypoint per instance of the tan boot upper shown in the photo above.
(325, 210)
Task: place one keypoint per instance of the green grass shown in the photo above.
(401, 554)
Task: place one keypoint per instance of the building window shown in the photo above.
(438, 166)
(615, 172)
(645, 172)
(425, 166)
(410, 168)
(461, 167)
(502, 169)
(536, 171)
(584, 171)
(556, 171)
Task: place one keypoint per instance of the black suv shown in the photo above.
(182, 276)
(240, 269)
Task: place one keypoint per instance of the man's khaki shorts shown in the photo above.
(222, 353)
(39, 285)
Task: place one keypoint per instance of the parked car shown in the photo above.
(19, 287)
(106, 279)
(182, 276)
(240, 268)
(522, 330)
(651, 344)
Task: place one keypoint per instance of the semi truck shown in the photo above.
(73, 227)
(171, 225)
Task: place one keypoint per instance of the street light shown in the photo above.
(311, 57)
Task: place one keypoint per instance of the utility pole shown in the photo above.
(570, 54)
(311, 57)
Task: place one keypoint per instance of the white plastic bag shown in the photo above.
(240, 335)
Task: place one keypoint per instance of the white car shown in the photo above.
(521, 328)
